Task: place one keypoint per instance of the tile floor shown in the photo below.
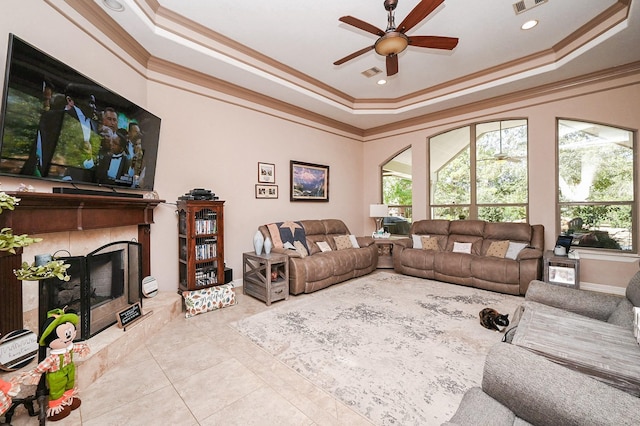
(201, 371)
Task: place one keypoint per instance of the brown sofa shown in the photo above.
(318, 269)
(476, 269)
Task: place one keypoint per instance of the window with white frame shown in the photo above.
(596, 185)
(480, 172)
(397, 193)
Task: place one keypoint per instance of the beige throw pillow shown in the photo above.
(461, 247)
(300, 248)
(429, 243)
(343, 242)
(498, 249)
(324, 246)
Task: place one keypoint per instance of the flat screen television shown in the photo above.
(61, 126)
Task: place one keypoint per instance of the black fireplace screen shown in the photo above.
(102, 283)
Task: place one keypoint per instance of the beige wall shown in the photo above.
(207, 141)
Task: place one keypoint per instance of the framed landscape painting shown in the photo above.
(309, 182)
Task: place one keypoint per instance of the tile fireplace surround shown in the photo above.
(49, 215)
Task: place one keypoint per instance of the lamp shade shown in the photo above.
(378, 210)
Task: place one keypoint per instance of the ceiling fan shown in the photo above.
(503, 156)
(393, 40)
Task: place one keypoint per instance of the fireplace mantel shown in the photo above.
(42, 213)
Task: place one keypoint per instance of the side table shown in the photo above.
(561, 270)
(385, 253)
(257, 279)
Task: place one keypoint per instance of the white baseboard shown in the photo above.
(603, 288)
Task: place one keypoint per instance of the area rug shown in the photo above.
(398, 349)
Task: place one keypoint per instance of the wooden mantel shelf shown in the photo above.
(41, 213)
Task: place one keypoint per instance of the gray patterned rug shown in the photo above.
(398, 349)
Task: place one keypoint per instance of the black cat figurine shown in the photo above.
(493, 320)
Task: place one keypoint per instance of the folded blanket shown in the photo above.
(282, 232)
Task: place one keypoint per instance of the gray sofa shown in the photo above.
(476, 269)
(520, 386)
(611, 308)
(316, 269)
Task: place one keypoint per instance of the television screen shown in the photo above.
(59, 125)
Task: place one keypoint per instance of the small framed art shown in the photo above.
(309, 182)
(266, 191)
(266, 173)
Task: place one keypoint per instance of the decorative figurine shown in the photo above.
(7, 390)
(58, 333)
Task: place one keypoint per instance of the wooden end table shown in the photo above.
(385, 253)
(257, 280)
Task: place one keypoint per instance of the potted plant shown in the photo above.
(10, 242)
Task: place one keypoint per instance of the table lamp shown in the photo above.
(378, 212)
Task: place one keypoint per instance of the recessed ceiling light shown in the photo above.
(529, 24)
(114, 5)
(382, 81)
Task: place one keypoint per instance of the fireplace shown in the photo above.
(102, 283)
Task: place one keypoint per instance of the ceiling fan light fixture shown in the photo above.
(391, 43)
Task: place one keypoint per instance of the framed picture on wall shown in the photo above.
(309, 182)
(266, 191)
(266, 173)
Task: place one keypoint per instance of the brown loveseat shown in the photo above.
(475, 269)
(317, 269)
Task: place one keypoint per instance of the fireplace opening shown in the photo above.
(102, 283)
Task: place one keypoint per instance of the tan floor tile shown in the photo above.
(191, 359)
(216, 387)
(162, 407)
(123, 384)
(263, 407)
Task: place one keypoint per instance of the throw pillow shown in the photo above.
(514, 249)
(354, 241)
(429, 243)
(208, 299)
(461, 247)
(324, 246)
(342, 242)
(498, 249)
(300, 248)
(417, 241)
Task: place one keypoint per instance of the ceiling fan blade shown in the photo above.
(353, 55)
(434, 42)
(362, 25)
(392, 65)
(421, 11)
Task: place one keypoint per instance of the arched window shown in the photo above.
(397, 193)
(596, 185)
(480, 172)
